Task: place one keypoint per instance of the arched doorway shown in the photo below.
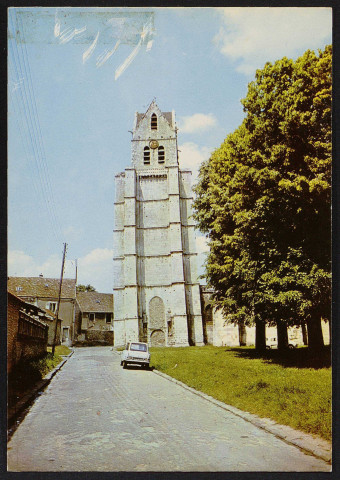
(157, 338)
(157, 322)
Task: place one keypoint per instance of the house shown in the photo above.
(44, 293)
(50, 321)
(27, 331)
(94, 318)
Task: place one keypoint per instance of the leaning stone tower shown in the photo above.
(156, 291)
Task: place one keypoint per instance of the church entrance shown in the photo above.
(157, 338)
(157, 322)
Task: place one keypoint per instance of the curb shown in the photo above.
(27, 399)
(318, 447)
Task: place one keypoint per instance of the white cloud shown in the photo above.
(22, 265)
(196, 123)
(72, 233)
(95, 268)
(191, 156)
(254, 35)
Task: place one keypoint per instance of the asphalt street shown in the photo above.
(96, 416)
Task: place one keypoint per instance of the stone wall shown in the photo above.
(218, 332)
(101, 337)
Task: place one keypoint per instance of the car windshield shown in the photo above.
(139, 347)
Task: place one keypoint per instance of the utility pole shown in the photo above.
(57, 312)
(74, 302)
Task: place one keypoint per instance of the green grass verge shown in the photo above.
(60, 350)
(298, 396)
(27, 372)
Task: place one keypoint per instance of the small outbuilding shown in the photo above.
(94, 318)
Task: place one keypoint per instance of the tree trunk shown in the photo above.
(242, 334)
(315, 337)
(260, 335)
(282, 335)
(304, 333)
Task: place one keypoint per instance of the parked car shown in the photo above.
(272, 343)
(136, 353)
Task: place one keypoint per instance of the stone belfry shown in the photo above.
(156, 291)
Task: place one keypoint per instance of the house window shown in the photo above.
(108, 317)
(91, 317)
(146, 155)
(52, 306)
(161, 155)
(153, 121)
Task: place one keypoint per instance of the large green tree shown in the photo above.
(264, 199)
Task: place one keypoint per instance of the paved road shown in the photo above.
(95, 416)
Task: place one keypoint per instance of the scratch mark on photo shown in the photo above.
(128, 60)
(103, 57)
(87, 54)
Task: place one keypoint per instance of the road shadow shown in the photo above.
(137, 367)
(295, 358)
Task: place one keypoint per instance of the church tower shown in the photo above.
(156, 291)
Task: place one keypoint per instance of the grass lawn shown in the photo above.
(60, 350)
(293, 388)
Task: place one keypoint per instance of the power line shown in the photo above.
(33, 137)
(36, 117)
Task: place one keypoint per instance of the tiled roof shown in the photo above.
(95, 302)
(41, 287)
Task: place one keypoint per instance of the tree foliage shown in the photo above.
(264, 198)
(85, 288)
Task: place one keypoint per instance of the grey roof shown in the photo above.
(95, 302)
(41, 287)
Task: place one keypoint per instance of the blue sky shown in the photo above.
(76, 78)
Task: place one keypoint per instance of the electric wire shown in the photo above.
(34, 137)
(42, 147)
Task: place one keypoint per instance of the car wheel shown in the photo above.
(124, 364)
(121, 363)
(291, 347)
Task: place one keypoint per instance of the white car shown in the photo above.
(136, 353)
(272, 343)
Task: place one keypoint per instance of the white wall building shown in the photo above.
(219, 332)
(156, 291)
